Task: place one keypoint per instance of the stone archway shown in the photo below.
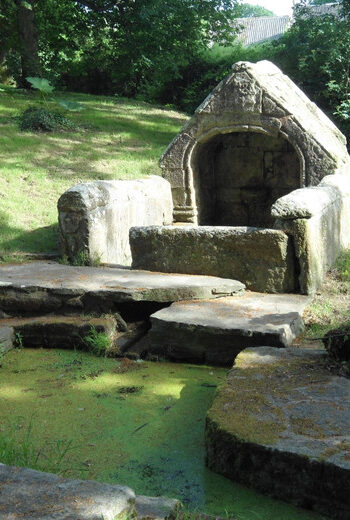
(237, 176)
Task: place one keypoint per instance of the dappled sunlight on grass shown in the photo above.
(12, 392)
(116, 139)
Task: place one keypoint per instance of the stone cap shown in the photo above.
(91, 195)
(311, 201)
(287, 95)
(257, 97)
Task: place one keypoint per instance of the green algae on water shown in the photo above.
(151, 439)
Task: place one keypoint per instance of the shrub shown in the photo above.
(42, 120)
(97, 342)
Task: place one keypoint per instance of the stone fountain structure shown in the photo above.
(255, 189)
(260, 180)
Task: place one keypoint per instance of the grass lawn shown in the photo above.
(117, 139)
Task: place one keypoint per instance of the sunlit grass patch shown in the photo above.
(116, 138)
(331, 305)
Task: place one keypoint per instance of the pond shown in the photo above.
(118, 421)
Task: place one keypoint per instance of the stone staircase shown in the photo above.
(201, 319)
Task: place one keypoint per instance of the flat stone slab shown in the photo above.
(29, 494)
(49, 286)
(281, 423)
(215, 331)
(7, 338)
(156, 508)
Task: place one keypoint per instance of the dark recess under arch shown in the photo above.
(238, 176)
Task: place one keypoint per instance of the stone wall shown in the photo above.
(95, 218)
(262, 259)
(310, 228)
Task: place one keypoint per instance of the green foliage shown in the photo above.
(45, 87)
(41, 84)
(22, 451)
(197, 79)
(19, 340)
(315, 52)
(82, 258)
(342, 266)
(246, 10)
(97, 342)
(120, 47)
(2, 354)
(42, 120)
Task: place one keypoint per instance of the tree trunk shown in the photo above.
(28, 39)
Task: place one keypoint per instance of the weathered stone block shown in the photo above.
(281, 424)
(30, 494)
(215, 331)
(318, 218)
(337, 343)
(7, 338)
(95, 218)
(62, 331)
(65, 289)
(260, 258)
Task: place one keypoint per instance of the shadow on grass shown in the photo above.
(15, 239)
(134, 141)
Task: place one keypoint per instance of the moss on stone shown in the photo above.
(246, 405)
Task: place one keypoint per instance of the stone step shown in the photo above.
(45, 287)
(29, 494)
(215, 331)
(60, 331)
(281, 424)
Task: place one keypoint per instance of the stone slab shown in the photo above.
(43, 287)
(263, 259)
(7, 338)
(216, 331)
(281, 424)
(60, 331)
(30, 494)
(156, 508)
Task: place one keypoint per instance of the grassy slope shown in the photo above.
(118, 139)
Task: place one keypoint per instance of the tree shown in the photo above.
(120, 45)
(250, 10)
(315, 52)
(28, 39)
(18, 31)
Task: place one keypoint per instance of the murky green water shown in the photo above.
(139, 424)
